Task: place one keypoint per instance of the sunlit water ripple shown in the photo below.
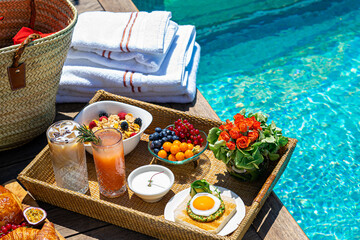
(306, 77)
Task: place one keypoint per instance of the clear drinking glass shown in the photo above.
(68, 156)
(110, 162)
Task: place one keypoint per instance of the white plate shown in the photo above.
(228, 228)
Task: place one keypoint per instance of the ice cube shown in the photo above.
(71, 135)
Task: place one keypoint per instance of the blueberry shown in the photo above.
(158, 130)
(165, 139)
(162, 134)
(170, 138)
(175, 137)
(173, 133)
(162, 148)
(151, 137)
(156, 135)
(124, 125)
(102, 113)
(156, 150)
(152, 145)
(138, 121)
(168, 132)
(157, 144)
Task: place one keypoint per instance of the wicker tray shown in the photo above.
(131, 212)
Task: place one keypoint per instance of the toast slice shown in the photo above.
(215, 226)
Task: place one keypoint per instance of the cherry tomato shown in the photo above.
(162, 154)
(180, 156)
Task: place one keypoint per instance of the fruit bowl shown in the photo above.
(186, 160)
(92, 111)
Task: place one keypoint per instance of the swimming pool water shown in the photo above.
(299, 63)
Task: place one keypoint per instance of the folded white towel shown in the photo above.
(123, 32)
(91, 76)
(133, 61)
(79, 94)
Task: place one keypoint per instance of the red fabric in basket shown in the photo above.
(25, 32)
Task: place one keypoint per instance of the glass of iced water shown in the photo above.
(68, 156)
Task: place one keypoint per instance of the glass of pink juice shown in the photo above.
(110, 162)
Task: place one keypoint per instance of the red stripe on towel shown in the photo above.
(132, 86)
(122, 39)
(130, 32)
(109, 54)
(104, 53)
(139, 89)
(124, 78)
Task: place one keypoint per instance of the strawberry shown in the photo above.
(133, 134)
(103, 117)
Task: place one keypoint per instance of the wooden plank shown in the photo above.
(118, 5)
(70, 223)
(110, 232)
(251, 234)
(199, 107)
(275, 222)
(87, 5)
(25, 152)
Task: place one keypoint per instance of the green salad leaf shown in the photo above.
(199, 186)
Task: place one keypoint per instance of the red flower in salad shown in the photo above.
(242, 142)
(253, 135)
(256, 125)
(235, 133)
(242, 126)
(224, 136)
(229, 125)
(238, 118)
(222, 127)
(231, 145)
(250, 122)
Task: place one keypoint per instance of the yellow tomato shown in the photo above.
(174, 149)
(162, 154)
(176, 142)
(183, 147)
(171, 157)
(167, 146)
(189, 154)
(180, 156)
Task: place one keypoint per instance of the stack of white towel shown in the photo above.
(141, 55)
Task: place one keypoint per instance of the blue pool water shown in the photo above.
(298, 61)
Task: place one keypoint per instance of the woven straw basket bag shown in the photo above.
(30, 72)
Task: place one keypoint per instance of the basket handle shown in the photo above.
(21, 48)
(16, 72)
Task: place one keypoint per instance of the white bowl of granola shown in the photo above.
(119, 115)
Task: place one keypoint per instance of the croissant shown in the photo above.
(21, 233)
(10, 208)
(47, 232)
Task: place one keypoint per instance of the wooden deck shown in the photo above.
(273, 221)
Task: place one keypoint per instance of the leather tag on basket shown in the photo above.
(17, 77)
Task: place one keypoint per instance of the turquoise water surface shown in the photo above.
(298, 61)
